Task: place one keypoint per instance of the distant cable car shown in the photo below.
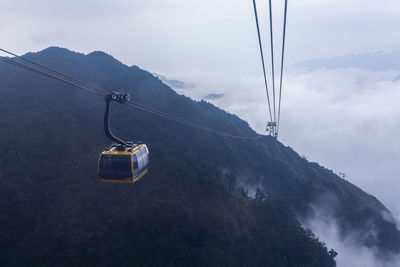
(123, 162)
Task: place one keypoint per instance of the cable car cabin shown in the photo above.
(121, 164)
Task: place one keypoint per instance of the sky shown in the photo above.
(346, 119)
(181, 35)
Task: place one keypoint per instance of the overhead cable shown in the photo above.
(53, 70)
(262, 58)
(10, 61)
(282, 63)
(85, 86)
(272, 57)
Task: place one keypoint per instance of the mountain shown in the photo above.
(187, 210)
(191, 209)
(378, 61)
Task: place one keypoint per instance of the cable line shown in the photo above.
(262, 58)
(272, 56)
(188, 123)
(10, 61)
(53, 70)
(282, 61)
(133, 104)
(274, 123)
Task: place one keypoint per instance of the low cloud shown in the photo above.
(345, 119)
(350, 252)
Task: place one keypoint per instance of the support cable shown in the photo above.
(262, 58)
(188, 123)
(130, 104)
(55, 71)
(10, 61)
(282, 63)
(272, 56)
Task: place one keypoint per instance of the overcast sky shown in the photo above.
(346, 119)
(212, 35)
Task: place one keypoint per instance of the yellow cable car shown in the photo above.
(123, 166)
(123, 162)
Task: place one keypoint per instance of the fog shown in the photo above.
(345, 119)
(350, 253)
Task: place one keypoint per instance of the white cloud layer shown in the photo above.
(350, 253)
(346, 119)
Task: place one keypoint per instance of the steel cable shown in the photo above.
(282, 63)
(130, 104)
(262, 58)
(55, 71)
(188, 123)
(10, 61)
(272, 57)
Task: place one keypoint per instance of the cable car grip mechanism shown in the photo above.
(119, 97)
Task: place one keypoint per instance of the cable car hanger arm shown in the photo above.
(118, 97)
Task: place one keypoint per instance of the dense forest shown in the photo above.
(191, 209)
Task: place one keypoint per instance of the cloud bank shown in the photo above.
(350, 253)
(346, 119)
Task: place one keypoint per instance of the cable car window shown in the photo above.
(135, 162)
(140, 162)
(145, 157)
(115, 163)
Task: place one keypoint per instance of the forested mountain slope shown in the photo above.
(190, 210)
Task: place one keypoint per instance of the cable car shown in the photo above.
(128, 165)
(123, 162)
